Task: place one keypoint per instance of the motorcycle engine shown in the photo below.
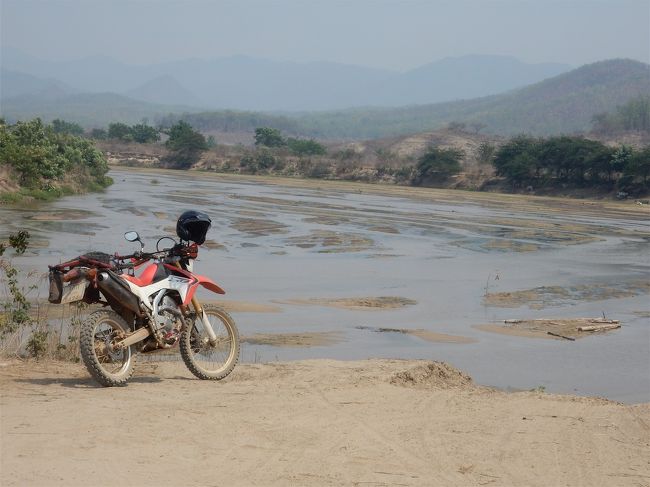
(166, 320)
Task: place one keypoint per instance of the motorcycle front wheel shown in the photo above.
(211, 361)
(98, 334)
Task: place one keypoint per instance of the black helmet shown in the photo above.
(192, 226)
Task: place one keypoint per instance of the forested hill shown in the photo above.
(563, 104)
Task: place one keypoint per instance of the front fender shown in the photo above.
(209, 284)
(206, 282)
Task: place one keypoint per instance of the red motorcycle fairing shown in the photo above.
(145, 278)
(206, 282)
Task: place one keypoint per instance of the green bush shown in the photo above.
(303, 147)
(437, 165)
(42, 158)
(185, 145)
(269, 137)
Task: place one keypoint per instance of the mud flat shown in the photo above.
(302, 257)
(547, 296)
(427, 335)
(317, 423)
(301, 340)
(365, 303)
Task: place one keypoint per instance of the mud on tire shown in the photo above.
(107, 366)
(204, 360)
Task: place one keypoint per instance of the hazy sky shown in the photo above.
(398, 34)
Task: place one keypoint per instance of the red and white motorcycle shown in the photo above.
(154, 311)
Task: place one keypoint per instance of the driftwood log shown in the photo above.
(599, 327)
(561, 336)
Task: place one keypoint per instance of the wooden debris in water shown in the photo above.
(568, 329)
(561, 336)
(604, 326)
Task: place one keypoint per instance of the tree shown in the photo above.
(620, 157)
(30, 148)
(437, 165)
(261, 161)
(574, 159)
(98, 134)
(42, 158)
(62, 127)
(303, 147)
(517, 160)
(118, 130)
(144, 134)
(269, 137)
(185, 145)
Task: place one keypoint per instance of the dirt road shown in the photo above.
(376, 422)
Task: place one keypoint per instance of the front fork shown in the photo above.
(200, 313)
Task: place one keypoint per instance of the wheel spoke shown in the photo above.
(205, 360)
(99, 333)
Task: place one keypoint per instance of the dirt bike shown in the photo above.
(152, 312)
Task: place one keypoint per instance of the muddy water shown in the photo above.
(302, 249)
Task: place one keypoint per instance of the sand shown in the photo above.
(363, 303)
(426, 335)
(375, 422)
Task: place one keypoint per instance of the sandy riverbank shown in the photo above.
(375, 422)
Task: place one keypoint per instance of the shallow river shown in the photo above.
(283, 245)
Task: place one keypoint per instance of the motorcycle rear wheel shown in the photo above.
(98, 333)
(206, 361)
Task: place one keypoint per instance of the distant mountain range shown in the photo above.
(244, 83)
(563, 103)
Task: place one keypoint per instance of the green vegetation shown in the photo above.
(261, 161)
(436, 166)
(302, 147)
(185, 145)
(272, 137)
(98, 134)
(573, 162)
(15, 305)
(47, 164)
(140, 133)
(269, 137)
(22, 318)
(62, 127)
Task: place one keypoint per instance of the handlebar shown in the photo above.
(177, 250)
(119, 262)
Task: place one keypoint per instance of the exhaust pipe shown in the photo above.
(112, 286)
